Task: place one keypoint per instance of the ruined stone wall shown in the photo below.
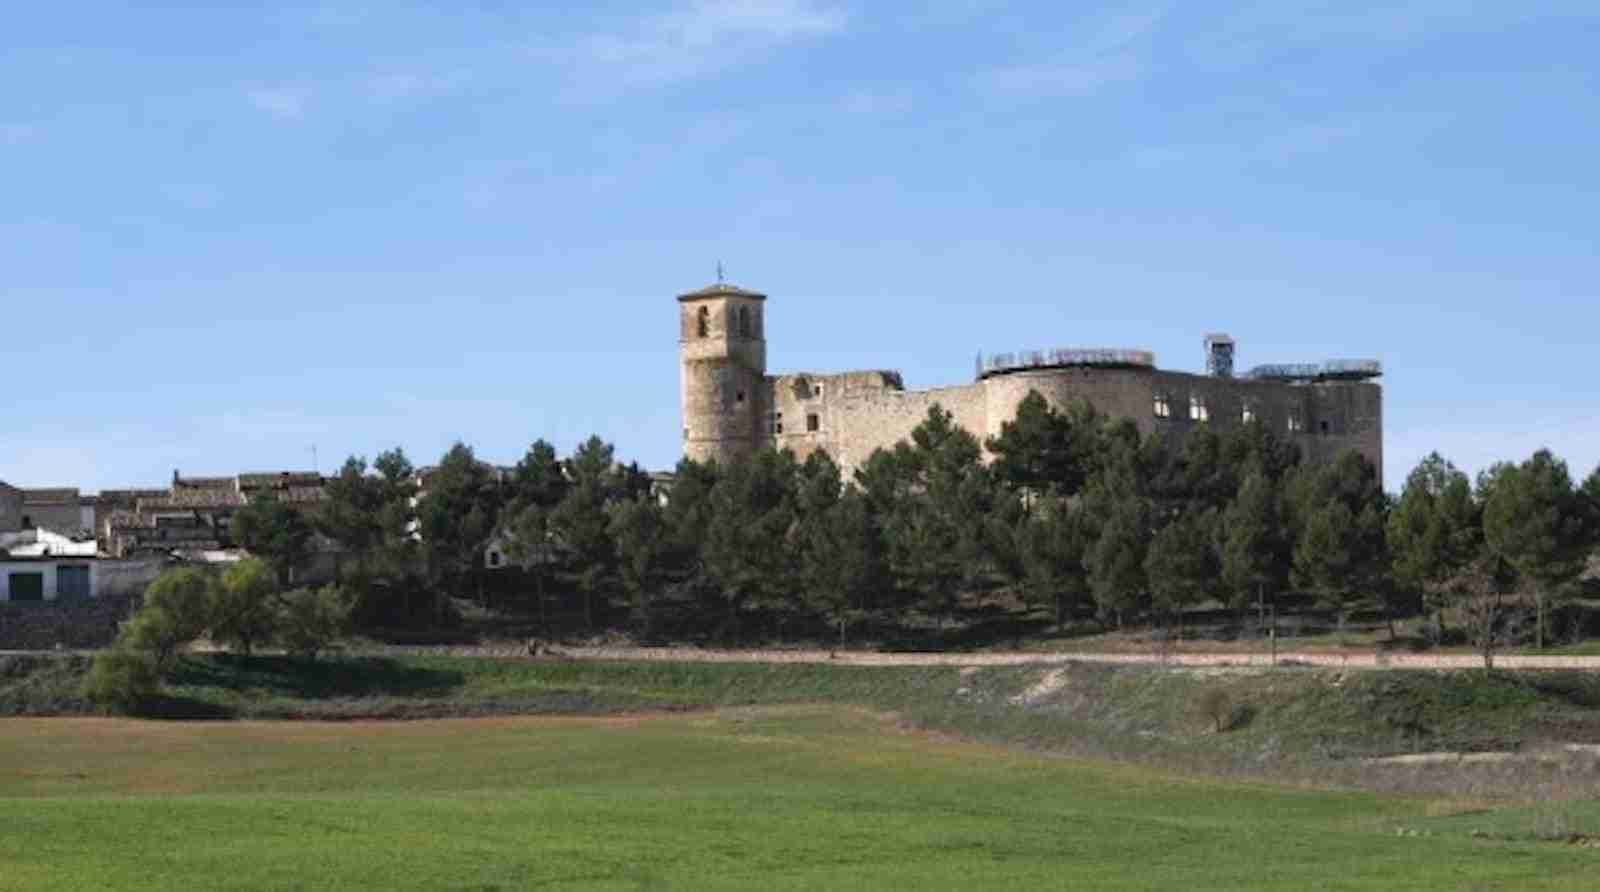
(858, 412)
(1322, 418)
(1353, 412)
(1117, 392)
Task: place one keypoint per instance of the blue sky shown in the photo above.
(230, 235)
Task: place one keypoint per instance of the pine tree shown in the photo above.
(1254, 550)
(579, 522)
(746, 555)
(1181, 564)
(1051, 543)
(1434, 532)
(640, 532)
(1536, 521)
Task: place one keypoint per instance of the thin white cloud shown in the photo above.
(283, 103)
(877, 103)
(17, 134)
(1258, 30)
(1105, 53)
(194, 196)
(692, 41)
(1063, 78)
(396, 86)
(1282, 147)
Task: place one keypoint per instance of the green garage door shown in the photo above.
(72, 582)
(27, 586)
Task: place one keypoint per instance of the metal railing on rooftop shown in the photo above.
(1311, 371)
(999, 363)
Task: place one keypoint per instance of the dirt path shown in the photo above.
(1014, 658)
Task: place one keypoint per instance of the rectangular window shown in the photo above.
(1296, 423)
(1324, 425)
(1163, 408)
(27, 586)
(72, 582)
(775, 423)
(1198, 410)
(816, 390)
(813, 422)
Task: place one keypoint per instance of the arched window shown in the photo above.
(703, 322)
(744, 322)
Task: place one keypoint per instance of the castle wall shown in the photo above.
(1353, 412)
(1118, 392)
(858, 412)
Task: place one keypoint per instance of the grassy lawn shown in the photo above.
(801, 797)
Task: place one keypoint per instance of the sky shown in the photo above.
(271, 236)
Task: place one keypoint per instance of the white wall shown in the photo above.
(107, 578)
(48, 568)
(114, 578)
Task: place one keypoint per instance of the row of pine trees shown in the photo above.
(1076, 516)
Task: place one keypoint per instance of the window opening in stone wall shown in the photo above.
(813, 422)
(744, 322)
(494, 558)
(1198, 410)
(703, 322)
(1324, 427)
(1247, 414)
(775, 423)
(739, 397)
(816, 390)
(1163, 408)
(1296, 423)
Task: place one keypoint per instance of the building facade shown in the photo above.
(731, 406)
(10, 508)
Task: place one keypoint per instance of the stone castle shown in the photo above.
(731, 406)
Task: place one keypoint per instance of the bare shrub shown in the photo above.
(1217, 707)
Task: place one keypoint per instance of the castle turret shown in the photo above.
(723, 349)
(1219, 356)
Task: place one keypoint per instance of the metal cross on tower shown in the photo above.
(719, 272)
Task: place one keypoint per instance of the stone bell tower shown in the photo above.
(723, 349)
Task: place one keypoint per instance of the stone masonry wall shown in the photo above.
(69, 624)
(858, 412)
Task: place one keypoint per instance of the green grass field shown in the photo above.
(791, 797)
